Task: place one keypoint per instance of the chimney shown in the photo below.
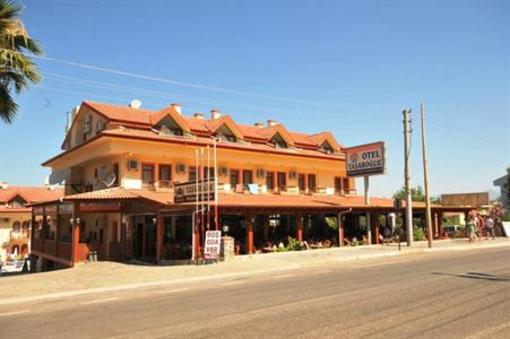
(177, 107)
(199, 115)
(271, 123)
(259, 125)
(215, 114)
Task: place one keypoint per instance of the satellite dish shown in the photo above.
(135, 104)
(109, 180)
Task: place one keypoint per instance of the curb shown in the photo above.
(57, 295)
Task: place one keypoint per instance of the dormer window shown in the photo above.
(278, 141)
(225, 134)
(169, 127)
(326, 148)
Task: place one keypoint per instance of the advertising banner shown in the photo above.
(368, 159)
(212, 245)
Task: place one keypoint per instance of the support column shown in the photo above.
(57, 232)
(434, 226)
(266, 228)
(340, 230)
(76, 241)
(299, 227)
(375, 228)
(369, 227)
(440, 225)
(249, 233)
(159, 236)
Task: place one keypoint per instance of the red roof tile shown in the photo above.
(120, 193)
(30, 194)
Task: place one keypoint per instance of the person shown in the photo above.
(489, 225)
(471, 228)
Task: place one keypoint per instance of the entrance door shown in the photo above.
(138, 241)
(150, 238)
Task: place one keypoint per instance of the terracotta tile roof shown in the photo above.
(147, 118)
(120, 193)
(122, 113)
(151, 135)
(29, 194)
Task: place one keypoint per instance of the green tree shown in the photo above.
(416, 194)
(17, 70)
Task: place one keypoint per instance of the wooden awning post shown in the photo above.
(159, 236)
(340, 230)
(75, 235)
(249, 233)
(299, 224)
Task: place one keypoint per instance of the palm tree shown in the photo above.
(16, 68)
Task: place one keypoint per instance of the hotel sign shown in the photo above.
(92, 207)
(187, 191)
(368, 159)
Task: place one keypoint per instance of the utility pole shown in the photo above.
(407, 174)
(428, 213)
(367, 203)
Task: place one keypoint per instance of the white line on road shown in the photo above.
(13, 313)
(235, 282)
(98, 301)
(284, 276)
(175, 290)
(322, 272)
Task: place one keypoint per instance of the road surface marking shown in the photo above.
(13, 313)
(322, 272)
(235, 282)
(284, 276)
(175, 290)
(489, 331)
(98, 301)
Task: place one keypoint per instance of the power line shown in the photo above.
(169, 81)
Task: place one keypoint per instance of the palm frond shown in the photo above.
(8, 108)
(9, 10)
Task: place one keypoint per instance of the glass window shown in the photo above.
(192, 174)
(346, 185)
(301, 182)
(270, 181)
(282, 181)
(234, 178)
(247, 177)
(165, 175)
(338, 185)
(311, 182)
(147, 175)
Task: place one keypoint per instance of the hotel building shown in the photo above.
(120, 165)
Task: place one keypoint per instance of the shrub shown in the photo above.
(418, 234)
(294, 245)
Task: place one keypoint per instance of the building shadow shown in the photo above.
(474, 275)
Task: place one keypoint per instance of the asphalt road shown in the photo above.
(437, 295)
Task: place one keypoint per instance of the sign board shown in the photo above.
(187, 191)
(465, 199)
(368, 159)
(212, 245)
(99, 207)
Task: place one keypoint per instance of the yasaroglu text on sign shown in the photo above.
(365, 159)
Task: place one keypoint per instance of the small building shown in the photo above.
(15, 217)
(120, 165)
(502, 183)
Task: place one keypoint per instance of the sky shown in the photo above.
(349, 67)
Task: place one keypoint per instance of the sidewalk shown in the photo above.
(109, 276)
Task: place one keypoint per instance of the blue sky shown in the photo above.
(345, 66)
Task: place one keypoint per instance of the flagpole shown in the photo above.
(216, 218)
(208, 192)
